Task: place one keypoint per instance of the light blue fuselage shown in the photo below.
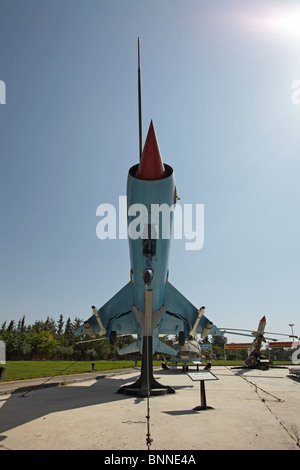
(151, 250)
(150, 253)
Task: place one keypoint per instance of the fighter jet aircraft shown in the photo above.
(149, 305)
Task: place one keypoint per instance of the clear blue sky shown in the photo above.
(216, 80)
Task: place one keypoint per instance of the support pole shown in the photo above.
(146, 381)
(203, 405)
(139, 388)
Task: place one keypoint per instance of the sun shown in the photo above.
(286, 21)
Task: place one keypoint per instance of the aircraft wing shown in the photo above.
(180, 315)
(236, 331)
(115, 315)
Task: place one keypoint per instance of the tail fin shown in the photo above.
(165, 349)
(136, 346)
(130, 348)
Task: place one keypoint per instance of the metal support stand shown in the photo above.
(139, 388)
(201, 377)
(146, 385)
(203, 405)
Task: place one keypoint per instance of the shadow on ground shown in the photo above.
(22, 407)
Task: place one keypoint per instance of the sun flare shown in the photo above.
(286, 21)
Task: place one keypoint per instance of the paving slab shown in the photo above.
(250, 410)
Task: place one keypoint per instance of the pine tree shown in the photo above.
(21, 325)
(60, 325)
(68, 334)
(11, 326)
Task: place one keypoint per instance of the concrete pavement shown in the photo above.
(251, 410)
(28, 385)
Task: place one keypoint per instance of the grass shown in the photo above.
(21, 370)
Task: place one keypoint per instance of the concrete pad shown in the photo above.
(250, 410)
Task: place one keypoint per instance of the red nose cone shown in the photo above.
(151, 166)
(263, 319)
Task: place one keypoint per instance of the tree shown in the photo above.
(64, 352)
(47, 344)
(11, 326)
(91, 354)
(219, 341)
(38, 326)
(68, 333)
(50, 325)
(60, 325)
(21, 325)
(49, 339)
